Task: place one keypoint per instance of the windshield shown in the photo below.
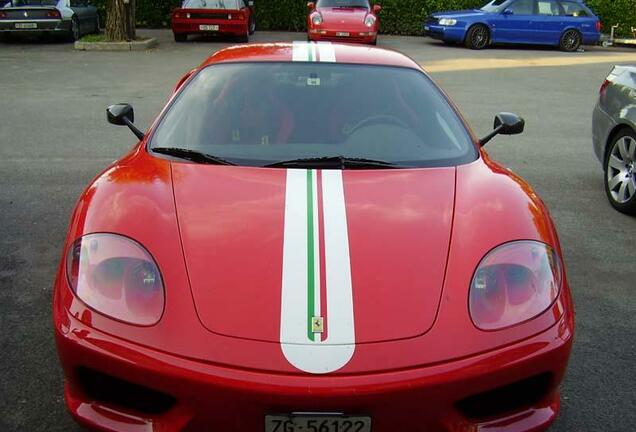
(343, 3)
(16, 3)
(257, 114)
(494, 6)
(211, 4)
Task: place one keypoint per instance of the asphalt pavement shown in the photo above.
(54, 139)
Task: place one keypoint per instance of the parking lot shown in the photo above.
(54, 138)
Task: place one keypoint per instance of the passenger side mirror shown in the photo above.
(508, 12)
(311, 6)
(505, 124)
(123, 115)
(377, 8)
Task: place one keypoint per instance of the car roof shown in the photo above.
(321, 52)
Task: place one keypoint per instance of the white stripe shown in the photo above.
(337, 350)
(300, 51)
(327, 52)
(316, 252)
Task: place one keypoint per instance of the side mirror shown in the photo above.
(508, 12)
(376, 8)
(505, 124)
(311, 6)
(123, 115)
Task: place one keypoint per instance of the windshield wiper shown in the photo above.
(191, 155)
(335, 162)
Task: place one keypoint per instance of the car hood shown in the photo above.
(467, 13)
(342, 17)
(247, 250)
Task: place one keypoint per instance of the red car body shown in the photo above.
(343, 24)
(238, 22)
(214, 359)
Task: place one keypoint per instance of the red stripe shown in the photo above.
(321, 251)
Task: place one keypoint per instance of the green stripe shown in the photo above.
(310, 254)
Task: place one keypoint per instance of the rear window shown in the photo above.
(574, 9)
(260, 113)
(211, 4)
(343, 3)
(17, 3)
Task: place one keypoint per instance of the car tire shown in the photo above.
(375, 41)
(252, 24)
(180, 37)
(620, 172)
(477, 37)
(245, 38)
(75, 31)
(570, 40)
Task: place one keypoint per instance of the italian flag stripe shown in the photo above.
(316, 270)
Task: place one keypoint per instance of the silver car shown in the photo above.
(70, 18)
(614, 135)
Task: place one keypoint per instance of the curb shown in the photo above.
(117, 46)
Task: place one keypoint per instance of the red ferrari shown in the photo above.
(287, 251)
(223, 17)
(343, 21)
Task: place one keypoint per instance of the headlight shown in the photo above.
(369, 21)
(447, 22)
(117, 277)
(514, 283)
(316, 19)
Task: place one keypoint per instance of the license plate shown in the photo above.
(205, 27)
(316, 423)
(427, 28)
(342, 34)
(26, 25)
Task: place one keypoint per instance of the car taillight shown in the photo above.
(599, 26)
(3, 15)
(603, 88)
(514, 283)
(117, 277)
(53, 14)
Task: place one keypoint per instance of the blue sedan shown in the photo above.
(564, 23)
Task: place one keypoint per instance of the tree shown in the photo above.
(120, 20)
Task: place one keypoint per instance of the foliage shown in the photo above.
(398, 16)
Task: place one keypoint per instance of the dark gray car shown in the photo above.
(614, 135)
(70, 18)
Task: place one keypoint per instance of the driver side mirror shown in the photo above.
(311, 6)
(377, 8)
(123, 115)
(508, 12)
(505, 124)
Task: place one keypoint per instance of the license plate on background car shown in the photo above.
(342, 33)
(206, 27)
(26, 25)
(427, 28)
(316, 423)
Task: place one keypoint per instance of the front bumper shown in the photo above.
(192, 26)
(43, 26)
(213, 397)
(364, 37)
(445, 33)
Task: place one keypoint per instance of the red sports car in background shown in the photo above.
(344, 21)
(285, 250)
(224, 17)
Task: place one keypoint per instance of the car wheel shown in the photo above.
(375, 41)
(620, 172)
(180, 37)
(245, 38)
(478, 37)
(74, 33)
(252, 24)
(570, 41)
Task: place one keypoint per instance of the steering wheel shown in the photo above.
(380, 118)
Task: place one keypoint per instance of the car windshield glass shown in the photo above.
(258, 114)
(343, 3)
(211, 4)
(32, 3)
(494, 6)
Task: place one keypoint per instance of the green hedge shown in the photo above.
(398, 16)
